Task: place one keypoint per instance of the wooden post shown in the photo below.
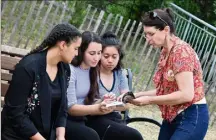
(139, 43)
(125, 28)
(119, 25)
(17, 21)
(34, 24)
(4, 4)
(25, 24)
(53, 21)
(92, 17)
(151, 69)
(63, 12)
(136, 34)
(143, 66)
(100, 17)
(140, 58)
(137, 49)
(106, 23)
(42, 24)
(9, 20)
(129, 34)
(134, 39)
(114, 23)
(87, 13)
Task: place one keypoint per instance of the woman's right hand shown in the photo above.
(105, 110)
(140, 101)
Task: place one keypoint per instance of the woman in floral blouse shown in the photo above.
(178, 80)
(36, 103)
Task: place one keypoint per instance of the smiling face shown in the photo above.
(154, 36)
(92, 54)
(110, 58)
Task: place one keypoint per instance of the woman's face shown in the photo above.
(155, 37)
(71, 50)
(110, 58)
(92, 54)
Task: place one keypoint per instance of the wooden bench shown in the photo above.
(10, 56)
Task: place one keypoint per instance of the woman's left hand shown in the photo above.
(143, 100)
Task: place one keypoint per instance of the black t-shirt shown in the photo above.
(55, 91)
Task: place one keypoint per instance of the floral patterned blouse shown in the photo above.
(181, 58)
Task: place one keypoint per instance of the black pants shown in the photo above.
(111, 127)
(77, 130)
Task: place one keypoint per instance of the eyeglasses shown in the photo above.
(154, 15)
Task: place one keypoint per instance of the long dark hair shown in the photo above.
(87, 38)
(61, 32)
(160, 18)
(110, 39)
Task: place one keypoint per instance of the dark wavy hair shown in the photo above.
(61, 32)
(110, 39)
(87, 38)
(165, 17)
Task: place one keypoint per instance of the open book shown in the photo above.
(115, 103)
(125, 99)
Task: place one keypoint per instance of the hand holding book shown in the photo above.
(127, 97)
(121, 100)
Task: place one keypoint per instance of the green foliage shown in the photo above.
(202, 9)
(133, 9)
(79, 12)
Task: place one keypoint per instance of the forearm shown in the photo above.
(83, 110)
(146, 93)
(60, 132)
(122, 108)
(174, 98)
(37, 136)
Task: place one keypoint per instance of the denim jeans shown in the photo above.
(190, 124)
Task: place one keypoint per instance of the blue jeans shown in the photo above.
(191, 124)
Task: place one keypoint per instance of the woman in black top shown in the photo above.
(36, 104)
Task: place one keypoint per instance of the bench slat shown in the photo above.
(4, 88)
(9, 58)
(5, 49)
(6, 76)
(8, 62)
